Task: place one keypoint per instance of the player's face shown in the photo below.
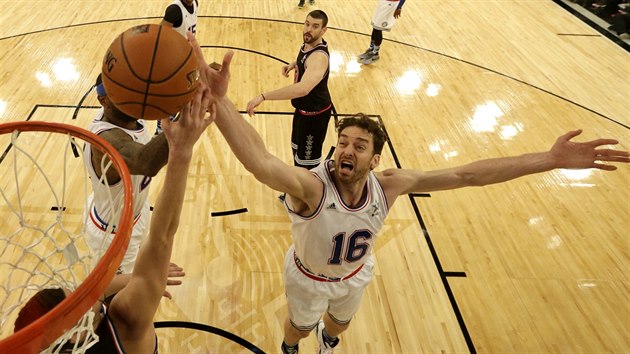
(111, 110)
(354, 155)
(313, 30)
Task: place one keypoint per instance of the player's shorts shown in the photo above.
(309, 298)
(383, 18)
(99, 240)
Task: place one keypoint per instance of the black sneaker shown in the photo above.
(301, 4)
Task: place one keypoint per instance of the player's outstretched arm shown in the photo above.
(563, 154)
(134, 306)
(251, 151)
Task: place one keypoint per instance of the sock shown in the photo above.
(375, 49)
(289, 349)
(371, 46)
(330, 340)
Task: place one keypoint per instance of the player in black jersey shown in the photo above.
(309, 93)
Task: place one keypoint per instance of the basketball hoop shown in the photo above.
(90, 272)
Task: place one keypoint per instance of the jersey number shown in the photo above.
(356, 247)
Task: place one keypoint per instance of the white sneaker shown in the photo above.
(324, 347)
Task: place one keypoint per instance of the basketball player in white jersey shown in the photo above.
(125, 323)
(338, 208)
(145, 156)
(181, 15)
(385, 15)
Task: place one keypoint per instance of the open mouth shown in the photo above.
(346, 165)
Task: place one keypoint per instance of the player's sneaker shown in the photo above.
(370, 58)
(325, 347)
(365, 54)
(289, 350)
(301, 4)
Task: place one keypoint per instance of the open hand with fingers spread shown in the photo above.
(195, 117)
(213, 75)
(569, 154)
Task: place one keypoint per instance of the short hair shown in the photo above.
(320, 15)
(37, 306)
(371, 126)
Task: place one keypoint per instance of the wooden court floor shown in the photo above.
(537, 265)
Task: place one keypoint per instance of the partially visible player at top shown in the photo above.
(181, 15)
(385, 15)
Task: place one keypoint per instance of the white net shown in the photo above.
(44, 188)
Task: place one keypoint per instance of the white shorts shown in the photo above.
(308, 298)
(383, 18)
(99, 240)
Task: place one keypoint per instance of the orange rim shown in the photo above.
(46, 329)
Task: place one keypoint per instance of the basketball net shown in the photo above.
(44, 189)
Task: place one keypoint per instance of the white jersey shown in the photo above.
(189, 21)
(101, 211)
(337, 240)
(383, 18)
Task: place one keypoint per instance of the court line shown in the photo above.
(347, 31)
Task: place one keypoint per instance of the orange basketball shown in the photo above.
(150, 72)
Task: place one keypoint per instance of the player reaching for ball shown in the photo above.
(125, 322)
(338, 208)
(145, 156)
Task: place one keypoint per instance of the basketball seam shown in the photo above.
(155, 48)
(190, 52)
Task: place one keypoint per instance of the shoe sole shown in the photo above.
(370, 61)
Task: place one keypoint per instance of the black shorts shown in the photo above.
(308, 135)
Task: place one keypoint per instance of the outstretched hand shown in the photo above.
(194, 118)
(569, 154)
(216, 76)
(174, 271)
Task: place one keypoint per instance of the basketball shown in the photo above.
(150, 72)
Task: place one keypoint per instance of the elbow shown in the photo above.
(303, 91)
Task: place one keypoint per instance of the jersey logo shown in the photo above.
(375, 209)
(331, 206)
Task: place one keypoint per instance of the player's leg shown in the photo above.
(304, 305)
(310, 132)
(341, 309)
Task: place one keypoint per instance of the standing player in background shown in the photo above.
(302, 2)
(309, 93)
(181, 15)
(144, 155)
(385, 14)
